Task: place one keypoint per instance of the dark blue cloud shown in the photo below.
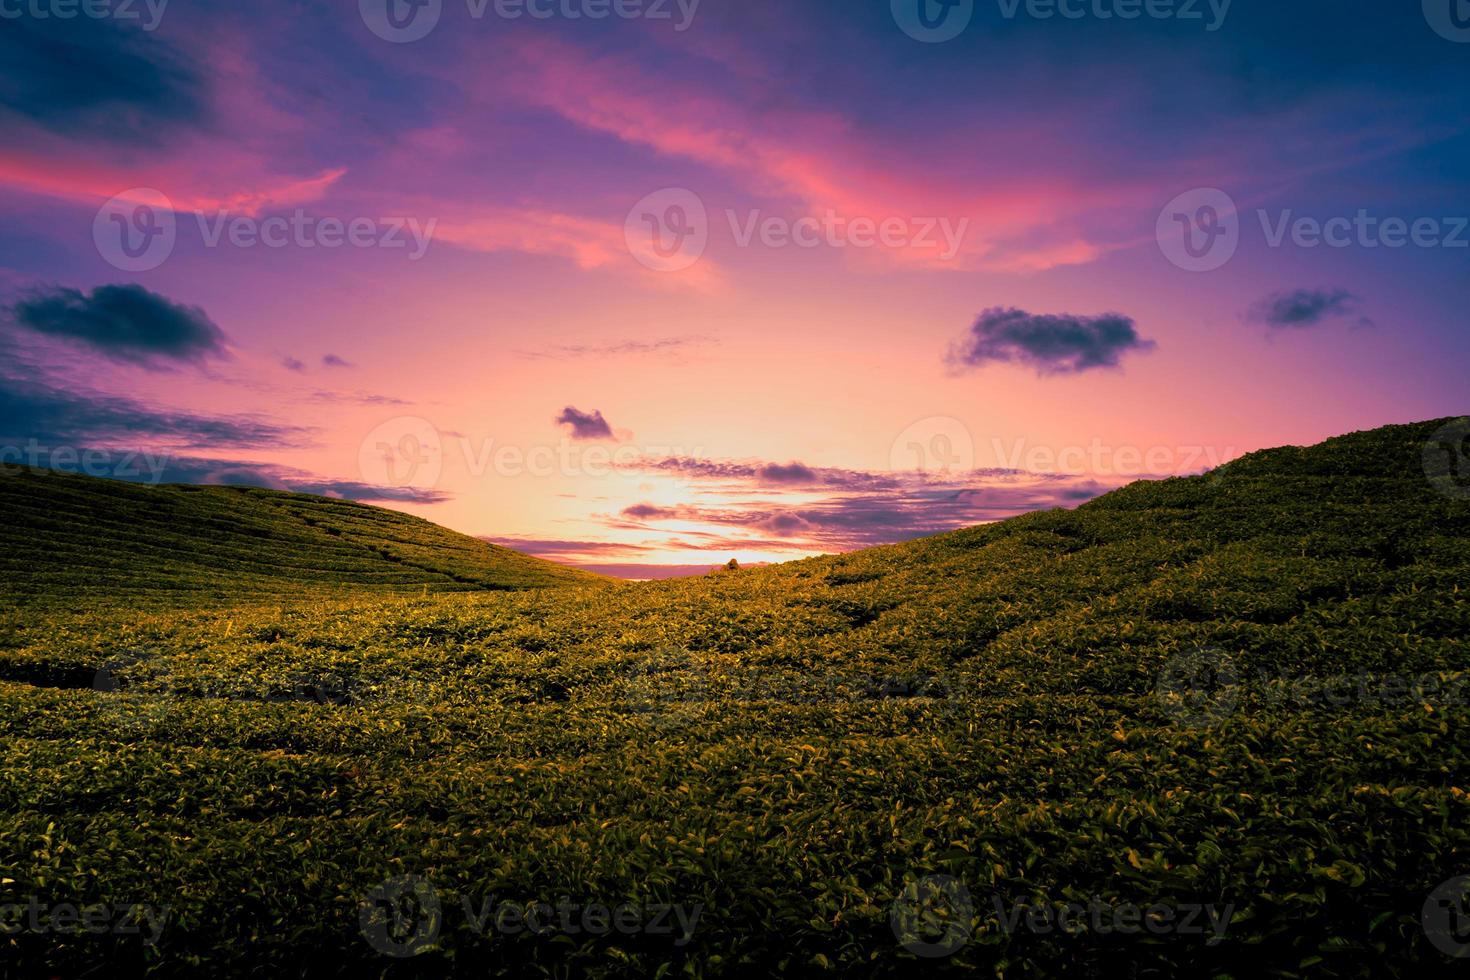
(88, 76)
(125, 323)
(585, 425)
(151, 467)
(1051, 343)
(1300, 308)
(36, 410)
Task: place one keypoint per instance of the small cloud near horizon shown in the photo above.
(585, 425)
(333, 361)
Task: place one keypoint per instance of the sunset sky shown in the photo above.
(901, 283)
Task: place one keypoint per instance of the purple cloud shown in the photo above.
(1051, 343)
(1300, 308)
(124, 323)
(584, 425)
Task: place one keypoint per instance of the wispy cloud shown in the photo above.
(245, 473)
(798, 509)
(1302, 308)
(36, 410)
(663, 346)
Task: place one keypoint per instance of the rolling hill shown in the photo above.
(1247, 691)
(72, 538)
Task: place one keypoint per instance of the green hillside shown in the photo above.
(1247, 691)
(67, 538)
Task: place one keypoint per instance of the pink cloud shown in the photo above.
(818, 159)
(91, 182)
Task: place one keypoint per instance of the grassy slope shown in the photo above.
(68, 538)
(791, 745)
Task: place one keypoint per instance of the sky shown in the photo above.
(645, 285)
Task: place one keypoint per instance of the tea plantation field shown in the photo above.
(70, 540)
(1214, 726)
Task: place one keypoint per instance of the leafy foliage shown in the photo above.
(793, 747)
(67, 537)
